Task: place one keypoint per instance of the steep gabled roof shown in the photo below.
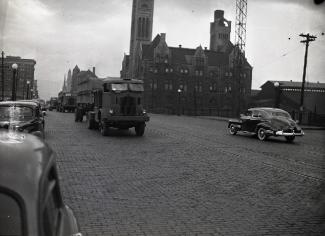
(183, 56)
(148, 49)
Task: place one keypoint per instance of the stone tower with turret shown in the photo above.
(219, 32)
(141, 30)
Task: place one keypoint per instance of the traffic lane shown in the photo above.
(177, 180)
(307, 151)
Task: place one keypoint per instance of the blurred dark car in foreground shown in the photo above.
(23, 116)
(265, 122)
(30, 199)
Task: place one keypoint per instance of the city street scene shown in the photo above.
(151, 117)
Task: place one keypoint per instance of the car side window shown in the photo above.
(247, 114)
(255, 114)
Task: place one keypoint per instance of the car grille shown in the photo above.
(128, 106)
(288, 130)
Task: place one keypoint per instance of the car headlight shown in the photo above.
(144, 111)
(111, 111)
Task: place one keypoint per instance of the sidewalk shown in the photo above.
(304, 127)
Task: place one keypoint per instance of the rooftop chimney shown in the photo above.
(205, 48)
(180, 46)
(94, 70)
(163, 36)
(218, 14)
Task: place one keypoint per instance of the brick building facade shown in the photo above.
(194, 81)
(25, 72)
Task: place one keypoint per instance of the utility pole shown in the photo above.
(307, 38)
(2, 77)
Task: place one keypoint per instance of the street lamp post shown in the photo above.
(179, 91)
(277, 95)
(2, 76)
(31, 93)
(14, 71)
(28, 89)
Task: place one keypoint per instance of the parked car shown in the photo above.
(22, 116)
(266, 122)
(31, 203)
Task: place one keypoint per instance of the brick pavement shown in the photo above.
(187, 176)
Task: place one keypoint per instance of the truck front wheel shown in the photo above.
(139, 129)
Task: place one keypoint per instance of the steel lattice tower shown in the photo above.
(240, 30)
(239, 56)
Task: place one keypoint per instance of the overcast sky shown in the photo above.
(59, 34)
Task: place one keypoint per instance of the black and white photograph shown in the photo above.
(162, 117)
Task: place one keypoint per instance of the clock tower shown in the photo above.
(141, 30)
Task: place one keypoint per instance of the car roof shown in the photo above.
(270, 109)
(23, 159)
(19, 103)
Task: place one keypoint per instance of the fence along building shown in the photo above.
(287, 96)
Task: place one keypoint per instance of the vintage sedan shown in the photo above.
(31, 203)
(265, 122)
(22, 116)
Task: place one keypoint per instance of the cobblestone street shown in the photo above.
(188, 176)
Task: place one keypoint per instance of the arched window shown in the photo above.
(147, 27)
(143, 27)
(139, 26)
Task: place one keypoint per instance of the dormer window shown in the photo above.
(166, 61)
(186, 71)
(182, 71)
(167, 70)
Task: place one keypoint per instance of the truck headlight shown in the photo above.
(111, 111)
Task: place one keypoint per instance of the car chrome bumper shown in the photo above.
(282, 133)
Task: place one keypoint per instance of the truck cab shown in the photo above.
(67, 102)
(119, 104)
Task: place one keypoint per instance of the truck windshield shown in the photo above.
(119, 87)
(136, 87)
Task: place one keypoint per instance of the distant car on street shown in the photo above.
(22, 116)
(30, 199)
(265, 122)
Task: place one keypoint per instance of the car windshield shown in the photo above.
(119, 87)
(10, 216)
(136, 87)
(15, 113)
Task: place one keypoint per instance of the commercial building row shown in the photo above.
(25, 83)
